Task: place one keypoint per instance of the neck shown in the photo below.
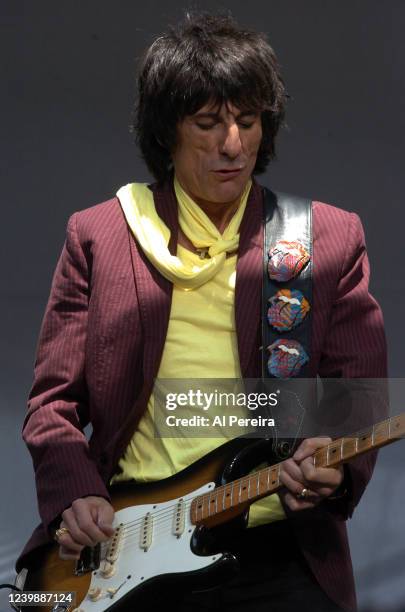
(229, 500)
(220, 213)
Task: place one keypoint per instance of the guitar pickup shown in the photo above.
(114, 545)
(89, 560)
(179, 518)
(145, 539)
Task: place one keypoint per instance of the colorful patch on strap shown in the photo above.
(286, 260)
(286, 358)
(288, 309)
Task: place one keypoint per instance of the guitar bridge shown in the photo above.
(89, 560)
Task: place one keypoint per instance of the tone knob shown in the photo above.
(95, 594)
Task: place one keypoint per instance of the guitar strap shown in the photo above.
(287, 290)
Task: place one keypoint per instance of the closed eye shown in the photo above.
(206, 126)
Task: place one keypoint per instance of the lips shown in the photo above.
(228, 173)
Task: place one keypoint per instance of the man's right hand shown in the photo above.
(89, 521)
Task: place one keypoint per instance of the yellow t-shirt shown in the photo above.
(201, 342)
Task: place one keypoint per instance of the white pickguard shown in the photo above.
(168, 553)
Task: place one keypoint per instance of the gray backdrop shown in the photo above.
(68, 87)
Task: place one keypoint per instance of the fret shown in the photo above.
(274, 482)
(381, 432)
(350, 448)
(202, 506)
(364, 441)
(399, 425)
(217, 501)
(203, 510)
(228, 495)
(334, 452)
(321, 457)
(344, 447)
(198, 507)
(245, 486)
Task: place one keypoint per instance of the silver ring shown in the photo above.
(303, 495)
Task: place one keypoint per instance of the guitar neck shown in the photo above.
(229, 500)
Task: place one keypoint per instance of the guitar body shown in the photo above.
(155, 540)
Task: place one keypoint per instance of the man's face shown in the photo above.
(216, 152)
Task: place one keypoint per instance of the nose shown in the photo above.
(231, 144)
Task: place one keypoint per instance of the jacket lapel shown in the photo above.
(155, 291)
(248, 290)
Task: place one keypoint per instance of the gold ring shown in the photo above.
(60, 532)
(303, 494)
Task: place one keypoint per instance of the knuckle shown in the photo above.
(309, 473)
(84, 523)
(305, 445)
(66, 514)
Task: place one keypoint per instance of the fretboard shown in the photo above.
(227, 500)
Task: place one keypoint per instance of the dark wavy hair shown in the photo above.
(205, 58)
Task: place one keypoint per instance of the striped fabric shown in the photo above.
(103, 334)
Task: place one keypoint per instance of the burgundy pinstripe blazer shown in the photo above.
(102, 338)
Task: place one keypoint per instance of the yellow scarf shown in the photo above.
(153, 234)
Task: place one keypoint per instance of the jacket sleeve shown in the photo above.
(355, 348)
(58, 400)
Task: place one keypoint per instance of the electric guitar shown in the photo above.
(163, 529)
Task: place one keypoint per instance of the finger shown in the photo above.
(87, 525)
(329, 477)
(76, 534)
(67, 540)
(309, 446)
(295, 504)
(294, 486)
(292, 468)
(104, 519)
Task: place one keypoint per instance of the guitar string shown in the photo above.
(168, 518)
(206, 496)
(166, 515)
(165, 522)
(134, 537)
(166, 526)
(128, 527)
